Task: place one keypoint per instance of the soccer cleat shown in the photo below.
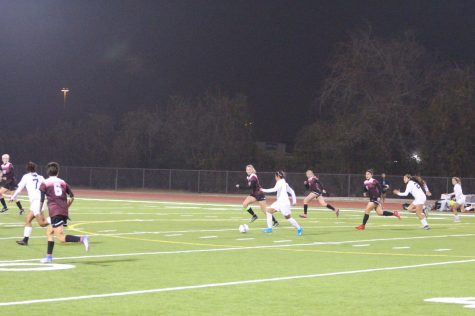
(426, 210)
(47, 259)
(85, 241)
(299, 231)
(4, 210)
(253, 219)
(267, 230)
(360, 227)
(427, 227)
(22, 242)
(22, 211)
(396, 213)
(303, 215)
(337, 212)
(276, 223)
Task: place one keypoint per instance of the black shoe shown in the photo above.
(253, 219)
(276, 223)
(4, 210)
(22, 211)
(22, 242)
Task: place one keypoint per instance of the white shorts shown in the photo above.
(420, 200)
(461, 200)
(35, 207)
(283, 208)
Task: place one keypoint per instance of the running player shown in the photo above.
(415, 188)
(373, 190)
(32, 182)
(282, 204)
(315, 186)
(459, 198)
(8, 183)
(427, 192)
(57, 192)
(256, 195)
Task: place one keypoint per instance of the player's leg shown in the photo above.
(381, 212)
(287, 213)
(322, 202)
(2, 200)
(269, 215)
(370, 206)
(49, 250)
(454, 208)
(246, 205)
(27, 229)
(263, 206)
(420, 214)
(307, 200)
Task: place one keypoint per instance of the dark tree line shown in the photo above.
(382, 103)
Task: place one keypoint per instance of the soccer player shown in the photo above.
(256, 195)
(315, 186)
(8, 183)
(415, 188)
(57, 192)
(384, 186)
(425, 187)
(459, 198)
(282, 204)
(373, 190)
(32, 182)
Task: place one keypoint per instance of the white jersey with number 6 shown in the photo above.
(32, 182)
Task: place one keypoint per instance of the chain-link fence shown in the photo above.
(210, 181)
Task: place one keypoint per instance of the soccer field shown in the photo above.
(184, 258)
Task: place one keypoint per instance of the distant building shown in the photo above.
(273, 147)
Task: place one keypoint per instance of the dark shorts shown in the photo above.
(10, 186)
(317, 193)
(375, 201)
(259, 196)
(59, 220)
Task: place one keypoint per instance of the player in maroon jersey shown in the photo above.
(8, 183)
(256, 195)
(373, 190)
(316, 192)
(57, 192)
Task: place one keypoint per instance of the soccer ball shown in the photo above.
(243, 228)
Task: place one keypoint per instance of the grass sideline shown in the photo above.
(174, 258)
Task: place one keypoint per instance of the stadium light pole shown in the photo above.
(65, 94)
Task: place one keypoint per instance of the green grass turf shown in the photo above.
(155, 232)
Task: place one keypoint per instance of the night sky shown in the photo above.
(119, 55)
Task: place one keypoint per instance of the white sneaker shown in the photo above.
(85, 241)
(47, 259)
(457, 219)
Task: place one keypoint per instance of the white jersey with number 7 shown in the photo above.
(32, 182)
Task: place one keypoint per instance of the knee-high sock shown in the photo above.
(387, 213)
(330, 207)
(365, 219)
(273, 219)
(250, 211)
(294, 223)
(269, 220)
(27, 231)
(305, 207)
(2, 200)
(424, 221)
(18, 203)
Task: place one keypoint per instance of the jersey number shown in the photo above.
(58, 191)
(36, 183)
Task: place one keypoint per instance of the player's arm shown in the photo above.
(292, 194)
(71, 195)
(408, 189)
(274, 189)
(20, 188)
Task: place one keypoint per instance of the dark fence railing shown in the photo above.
(210, 181)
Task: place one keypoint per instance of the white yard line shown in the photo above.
(233, 283)
(237, 248)
(361, 245)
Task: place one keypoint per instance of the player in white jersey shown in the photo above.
(282, 204)
(32, 182)
(459, 198)
(415, 188)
